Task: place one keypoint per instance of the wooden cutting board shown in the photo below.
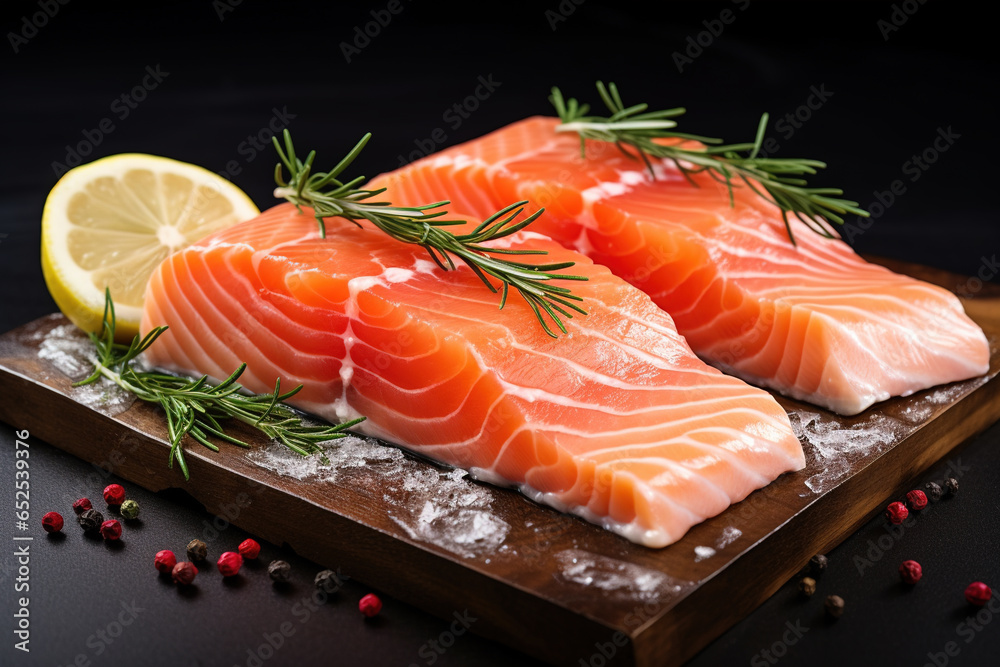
(546, 583)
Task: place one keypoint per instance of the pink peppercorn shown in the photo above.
(184, 573)
(917, 499)
(910, 571)
(896, 513)
(114, 494)
(111, 529)
(249, 549)
(82, 505)
(370, 605)
(978, 593)
(52, 522)
(230, 563)
(165, 561)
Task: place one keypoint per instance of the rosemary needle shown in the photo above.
(778, 180)
(424, 226)
(197, 407)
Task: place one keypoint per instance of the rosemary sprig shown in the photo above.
(775, 179)
(196, 407)
(330, 197)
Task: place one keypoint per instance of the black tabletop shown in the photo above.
(895, 97)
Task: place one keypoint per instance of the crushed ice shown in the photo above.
(349, 452)
(701, 553)
(919, 411)
(441, 507)
(70, 352)
(834, 447)
(455, 513)
(615, 576)
(729, 535)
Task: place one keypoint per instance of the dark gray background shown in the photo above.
(226, 77)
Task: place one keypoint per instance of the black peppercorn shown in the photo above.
(279, 570)
(328, 581)
(835, 606)
(197, 550)
(90, 520)
(817, 564)
(934, 491)
(951, 486)
(807, 586)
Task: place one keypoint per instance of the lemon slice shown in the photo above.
(111, 222)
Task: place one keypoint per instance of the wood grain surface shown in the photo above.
(546, 583)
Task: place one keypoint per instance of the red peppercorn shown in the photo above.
(184, 573)
(249, 549)
(917, 499)
(52, 522)
(896, 513)
(910, 571)
(165, 561)
(230, 563)
(114, 494)
(978, 593)
(82, 505)
(111, 529)
(370, 605)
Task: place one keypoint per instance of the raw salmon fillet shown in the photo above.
(617, 422)
(815, 322)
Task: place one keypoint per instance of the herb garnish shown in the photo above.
(196, 407)
(637, 128)
(423, 226)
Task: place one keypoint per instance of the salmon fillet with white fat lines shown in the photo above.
(815, 322)
(617, 422)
